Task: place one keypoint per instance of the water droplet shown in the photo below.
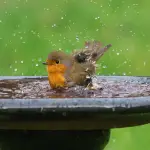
(117, 53)
(62, 17)
(38, 35)
(77, 38)
(114, 140)
(97, 18)
(104, 66)
(37, 65)
(15, 69)
(54, 25)
(21, 61)
(125, 14)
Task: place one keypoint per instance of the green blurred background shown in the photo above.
(30, 29)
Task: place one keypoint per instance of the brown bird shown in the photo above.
(65, 70)
(59, 65)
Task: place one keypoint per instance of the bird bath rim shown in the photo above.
(75, 113)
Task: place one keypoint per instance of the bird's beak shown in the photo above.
(45, 63)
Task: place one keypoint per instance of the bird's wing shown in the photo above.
(92, 52)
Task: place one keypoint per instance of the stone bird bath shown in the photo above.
(32, 116)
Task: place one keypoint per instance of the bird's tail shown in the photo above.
(100, 52)
(96, 49)
(92, 51)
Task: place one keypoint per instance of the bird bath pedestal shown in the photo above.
(34, 117)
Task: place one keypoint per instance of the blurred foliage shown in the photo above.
(30, 29)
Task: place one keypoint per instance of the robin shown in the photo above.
(77, 68)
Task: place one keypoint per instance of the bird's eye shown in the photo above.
(57, 61)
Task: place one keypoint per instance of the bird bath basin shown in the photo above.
(29, 109)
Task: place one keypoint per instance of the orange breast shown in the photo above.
(56, 75)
